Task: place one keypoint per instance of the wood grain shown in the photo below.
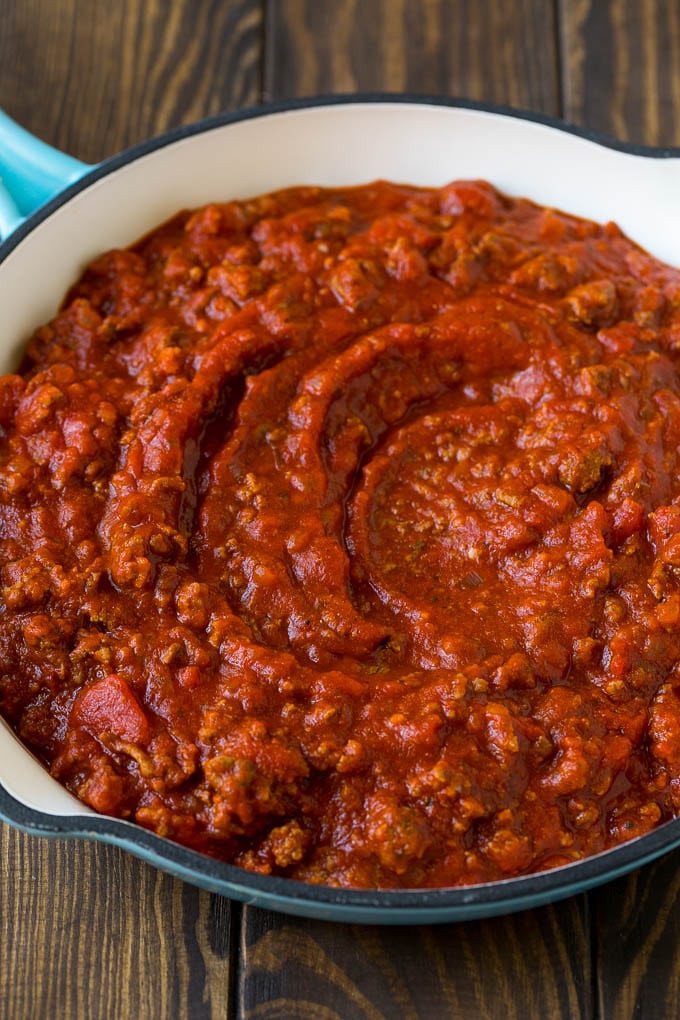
(93, 78)
(482, 49)
(621, 67)
(89, 931)
(636, 924)
(532, 965)
(86, 930)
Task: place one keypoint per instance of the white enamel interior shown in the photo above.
(338, 144)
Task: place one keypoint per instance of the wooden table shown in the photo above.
(88, 931)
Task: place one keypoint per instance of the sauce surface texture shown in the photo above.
(340, 536)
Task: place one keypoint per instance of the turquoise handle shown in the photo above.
(31, 173)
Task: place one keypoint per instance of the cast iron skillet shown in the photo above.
(57, 213)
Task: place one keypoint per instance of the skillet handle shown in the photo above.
(31, 173)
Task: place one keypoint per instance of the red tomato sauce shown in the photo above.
(340, 536)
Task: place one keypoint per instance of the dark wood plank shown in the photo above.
(621, 76)
(89, 931)
(535, 964)
(637, 925)
(621, 68)
(93, 78)
(86, 930)
(532, 965)
(482, 49)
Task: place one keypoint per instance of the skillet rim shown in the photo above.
(383, 906)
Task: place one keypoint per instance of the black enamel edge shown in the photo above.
(277, 893)
(350, 99)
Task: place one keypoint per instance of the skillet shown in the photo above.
(56, 214)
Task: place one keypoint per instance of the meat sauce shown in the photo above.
(340, 536)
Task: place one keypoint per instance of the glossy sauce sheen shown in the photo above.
(340, 536)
